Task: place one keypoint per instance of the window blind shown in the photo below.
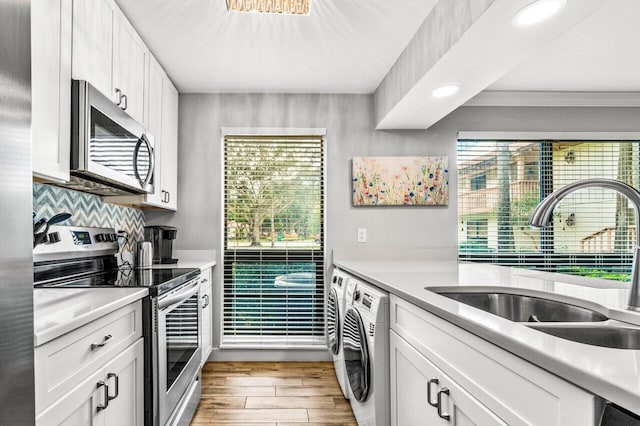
(274, 241)
(501, 182)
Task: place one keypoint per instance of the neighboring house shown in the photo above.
(585, 222)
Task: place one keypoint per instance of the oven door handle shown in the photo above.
(179, 296)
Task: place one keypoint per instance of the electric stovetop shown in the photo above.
(158, 281)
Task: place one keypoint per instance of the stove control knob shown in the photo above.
(99, 238)
(113, 237)
(356, 295)
(54, 237)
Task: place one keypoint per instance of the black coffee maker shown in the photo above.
(161, 238)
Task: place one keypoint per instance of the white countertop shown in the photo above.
(613, 374)
(202, 259)
(57, 311)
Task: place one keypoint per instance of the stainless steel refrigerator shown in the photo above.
(17, 405)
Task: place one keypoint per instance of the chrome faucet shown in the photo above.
(541, 217)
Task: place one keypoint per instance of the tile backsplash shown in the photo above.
(87, 210)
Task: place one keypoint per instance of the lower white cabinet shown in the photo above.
(206, 294)
(421, 394)
(486, 384)
(112, 395)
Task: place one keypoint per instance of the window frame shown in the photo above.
(546, 259)
(276, 343)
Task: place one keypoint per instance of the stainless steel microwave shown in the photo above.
(111, 154)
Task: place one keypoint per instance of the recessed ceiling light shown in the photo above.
(538, 11)
(446, 90)
(289, 7)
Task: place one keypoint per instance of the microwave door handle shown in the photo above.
(136, 152)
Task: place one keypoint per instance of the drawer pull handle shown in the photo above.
(95, 346)
(429, 399)
(106, 395)
(110, 375)
(441, 413)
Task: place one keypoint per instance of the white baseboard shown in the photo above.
(289, 355)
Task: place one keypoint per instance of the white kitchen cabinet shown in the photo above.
(109, 54)
(162, 123)
(169, 167)
(421, 394)
(510, 388)
(206, 294)
(130, 65)
(125, 378)
(97, 402)
(94, 26)
(51, 22)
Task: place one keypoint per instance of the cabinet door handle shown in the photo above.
(206, 301)
(441, 412)
(429, 399)
(124, 108)
(119, 94)
(106, 339)
(105, 401)
(168, 196)
(110, 375)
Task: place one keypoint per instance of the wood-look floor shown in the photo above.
(272, 394)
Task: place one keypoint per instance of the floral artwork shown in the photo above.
(400, 181)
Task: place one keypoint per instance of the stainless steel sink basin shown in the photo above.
(522, 308)
(609, 335)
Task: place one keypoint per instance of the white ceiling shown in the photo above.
(602, 53)
(343, 46)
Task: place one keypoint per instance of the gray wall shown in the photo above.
(350, 132)
(349, 120)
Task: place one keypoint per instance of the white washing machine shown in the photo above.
(335, 317)
(365, 340)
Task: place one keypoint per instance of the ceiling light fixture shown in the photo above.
(289, 7)
(538, 11)
(446, 90)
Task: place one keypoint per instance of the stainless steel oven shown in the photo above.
(176, 351)
(111, 153)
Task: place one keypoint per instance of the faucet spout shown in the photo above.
(541, 217)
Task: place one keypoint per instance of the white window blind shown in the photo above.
(501, 182)
(274, 233)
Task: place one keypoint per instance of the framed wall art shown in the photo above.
(400, 181)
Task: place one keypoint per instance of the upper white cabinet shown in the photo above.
(109, 54)
(51, 88)
(169, 169)
(94, 31)
(154, 125)
(130, 64)
(162, 123)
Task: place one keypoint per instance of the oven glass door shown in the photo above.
(127, 157)
(182, 337)
(179, 353)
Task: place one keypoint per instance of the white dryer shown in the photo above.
(365, 340)
(335, 317)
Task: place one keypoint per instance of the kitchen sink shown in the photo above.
(521, 308)
(612, 334)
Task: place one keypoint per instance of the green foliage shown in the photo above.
(595, 273)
